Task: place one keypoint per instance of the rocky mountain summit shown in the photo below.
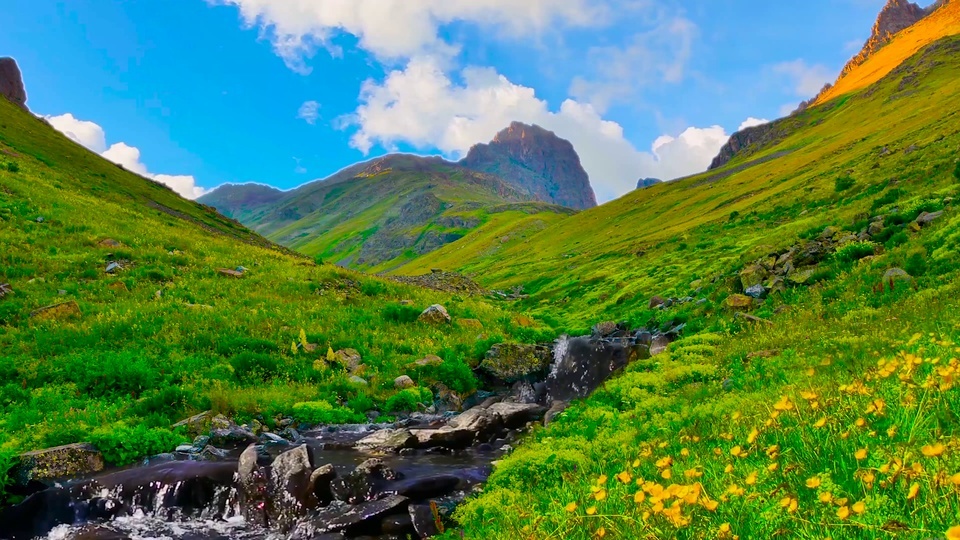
(895, 16)
(11, 82)
(648, 182)
(538, 161)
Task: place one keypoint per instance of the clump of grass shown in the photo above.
(843, 183)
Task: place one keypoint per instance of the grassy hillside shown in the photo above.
(165, 335)
(831, 409)
(381, 214)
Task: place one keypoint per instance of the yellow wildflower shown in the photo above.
(592, 511)
(955, 479)
(773, 466)
(843, 512)
(571, 507)
(914, 490)
(725, 529)
(600, 495)
(861, 454)
(933, 450)
(639, 496)
(751, 479)
(602, 479)
(601, 532)
(729, 468)
(666, 474)
(953, 533)
(826, 497)
(813, 482)
(752, 436)
(624, 477)
(710, 504)
(859, 507)
(820, 423)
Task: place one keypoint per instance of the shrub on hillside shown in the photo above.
(409, 400)
(843, 183)
(854, 251)
(453, 373)
(250, 367)
(123, 445)
(322, 412)
(400, 314)
(13, 167)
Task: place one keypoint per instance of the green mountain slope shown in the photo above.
(827, 409)
(382, 213)
(130, 349)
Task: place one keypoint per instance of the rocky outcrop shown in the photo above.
(749, 140)
(59, 462)
(538, 161)
(897, 15)
(512, 362)
(648, 182)
(11, 82)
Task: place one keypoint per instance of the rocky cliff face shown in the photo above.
(537, 161)
(648, 182)
(894, 17)
(752, 137)
(11, 82)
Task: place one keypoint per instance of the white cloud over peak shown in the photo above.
(751, 122)
(392, 29)
(422, 106)
(806, 80)
(92, 136)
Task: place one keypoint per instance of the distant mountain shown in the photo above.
(648, 182)
(378, 214)
(11, 82)
(895, 16)
(537, 161)
(386, 212)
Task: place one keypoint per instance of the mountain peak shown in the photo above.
(895, 16)
(11, 82)
(538, 161)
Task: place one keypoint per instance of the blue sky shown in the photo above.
(197, 93)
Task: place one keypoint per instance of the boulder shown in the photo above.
(446, 437)
(556, 408)
(584, 363)
(801, 276)
(358, 380)
(59, 462)
(252, 486)
(424, 520)
(894, 275)
(196, 424)
(109, 243)
(365, 483)
(61, 311)
(656, 302)
(355, 521)
(477, 420)
(403, 381)
(435, 314)
(350, 359)
(387, 440)
(757, 291)
(752, 275)
(425, 487)
(113, 267)
(512, 362)
(229, 272)
(428, 360)
(516, 415)
(233, 436)
(927, 218)
(320, 484)
(739, 301)
(605, 328)
(290, 487)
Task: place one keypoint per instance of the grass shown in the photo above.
(168, 336)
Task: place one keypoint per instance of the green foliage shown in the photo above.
(409, 400)
(123, 445)
(843, 183)
(400, 313)
(12, 167)
(453, 373)
(956, 171)
(323, 413)
(8, 459)
(250, 367)
(854, 251)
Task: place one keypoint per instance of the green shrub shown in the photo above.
(843, 183)
(956, 171)
(361, 403)
(13, 167)
(855, 251)
(897, 239)
(453, 373)
(8, 459)
(322, 412)
(409, 400)
(123, 445)
(400, 314)
(916, 264)
(250, 367)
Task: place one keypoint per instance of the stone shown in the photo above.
(425, 487)
(61, 311)
(232, 436)
(113, 267)
(757, 291)
(11, 83)
(446, 437)
(211, 453)
(353, 519)
(387, 440)
(435, 314)
(320, 482)
(252, 487)
(739, 301)
(927, 218)
(802, 276)
(228, 272)
(894, 275)
(364, 483)
(428, 360)
(473, 324)
(512, 362)
(290, 486)
(109, 243)
(478, 420)
(555, 409)
(350, 359)
(403, 381)
(605, 328)
(196, 424)
(424, 520)
(754, 274)
(358, 380)
(59, 462)
(516, 415)
(5, 290)
(656, 302)
(583, 363)
(829, 232)
(875, 228)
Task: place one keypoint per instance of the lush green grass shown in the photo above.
(837, 420)
(168, 336)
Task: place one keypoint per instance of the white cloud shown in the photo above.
(392, 29)
(805, 80)
(751, 122)
(92, 136)
(659, 55)
(85, 133)
(309, 112)
(420, 105)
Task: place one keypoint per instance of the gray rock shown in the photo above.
(59, 462)
(349, 358)
(11, 82)
(896, 275)
(512, 362)
(113, 267)
(757, 291)
(403, 381)
(364, 483)
(477, 420)
(211, 453)
(320, 484)
(387, 440)
(435, 314)
(356, 517)
(516, 415)
(358, 380)
(446, 437)
(290, 487)
(252, 487)
(556, 408)
(186, 449)
(927, 218)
